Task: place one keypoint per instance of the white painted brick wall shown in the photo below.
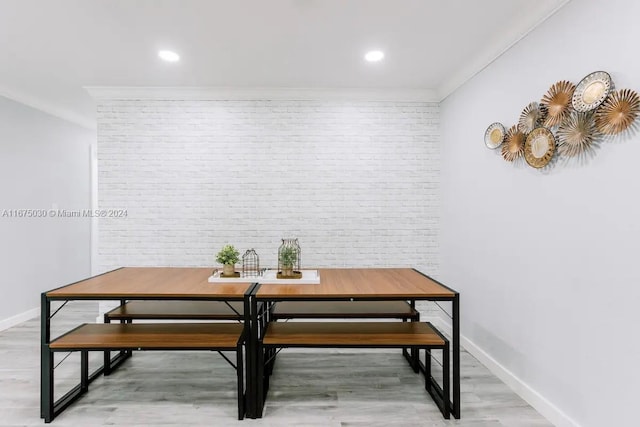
(356, 182)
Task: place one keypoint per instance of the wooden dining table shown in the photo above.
(357, 284)
(177, 283)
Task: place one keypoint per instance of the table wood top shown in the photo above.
(152, 282)
(362, 283)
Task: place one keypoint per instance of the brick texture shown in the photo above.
(356, 182)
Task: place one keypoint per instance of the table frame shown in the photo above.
(253, 325)
(49, 411)
(256, 360)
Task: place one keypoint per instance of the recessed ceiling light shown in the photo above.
(169, 56)
(374, 56)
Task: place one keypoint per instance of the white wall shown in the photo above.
(44, 161)
(546, 261)
(356, 182)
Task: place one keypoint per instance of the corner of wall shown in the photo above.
(547, 409)
(18, 318)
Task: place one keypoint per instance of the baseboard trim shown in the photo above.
(19, 318)
(522, 389)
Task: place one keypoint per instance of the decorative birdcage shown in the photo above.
(289, 259)
(250, 263)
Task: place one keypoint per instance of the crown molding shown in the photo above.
(253, 94)
(513, 34)
(48, 108)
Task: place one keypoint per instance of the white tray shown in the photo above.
(269, 277)
(309, 277)
(215, 278)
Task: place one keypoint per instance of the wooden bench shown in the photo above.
(285, 310)
(415, 335)
(168, 310)
(128, 337)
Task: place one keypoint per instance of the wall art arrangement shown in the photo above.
(566, 121)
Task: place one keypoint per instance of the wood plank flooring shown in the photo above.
(328, 388)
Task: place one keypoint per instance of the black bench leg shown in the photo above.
(271, 353)
(427, 367)
(109, 365)
(412, 354)
(84, 370)
(440, 395)
(267, 377)
(445, 381)
(271, 361)
(46, 384)
(261, 381)
(415, 359)
(241, 388)
(415, 351)
(107, 353)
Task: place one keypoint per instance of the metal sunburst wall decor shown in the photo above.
(531, 117)
(494, 136)
(539, 147)
(617, 112)
(568, 120)
(557, 102)
(592, 90)
(576, 134)
(513, 146)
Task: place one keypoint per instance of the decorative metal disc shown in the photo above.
(539, 147)
(494, 135)
(513, 146)
(576, 134)
(591, 91)
(618, 111)
(531, 117)
(557, 102)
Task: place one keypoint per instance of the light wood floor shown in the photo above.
(334, 388)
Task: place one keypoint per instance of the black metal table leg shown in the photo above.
(251, 325)
(445, 381)
(456, 356)
(46, 361)
(259, 362)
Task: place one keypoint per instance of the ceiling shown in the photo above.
(50, 51)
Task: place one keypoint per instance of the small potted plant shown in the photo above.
(228, 257)
(288, 257)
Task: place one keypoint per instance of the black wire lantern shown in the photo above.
(250, 263)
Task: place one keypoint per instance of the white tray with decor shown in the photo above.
(217, 277)
(309, 277)
(268, 277)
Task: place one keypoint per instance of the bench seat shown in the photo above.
(344, 309)
(170, 310)
(392, 309)
(126, 337)
(151, 336)
(352, 334)
(415, 335)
